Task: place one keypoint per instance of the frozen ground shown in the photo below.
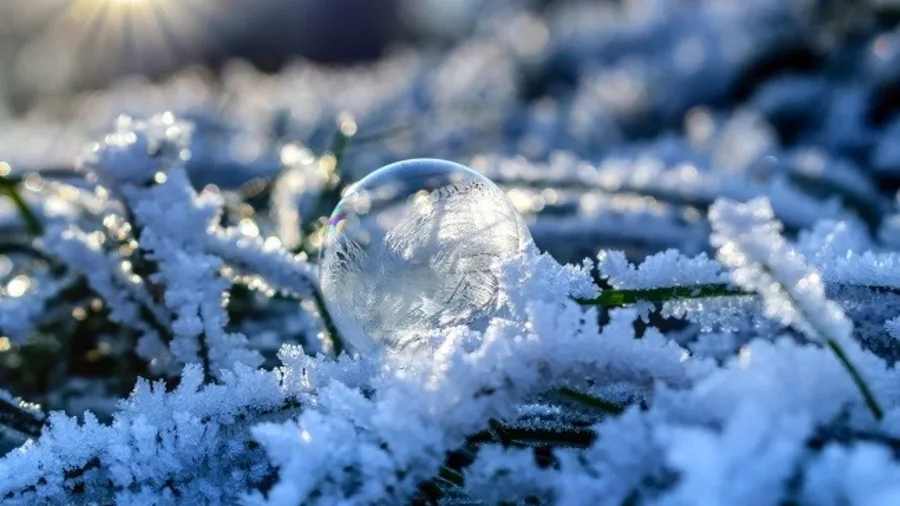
(709, 314)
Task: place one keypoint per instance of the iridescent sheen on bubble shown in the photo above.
(409, 250)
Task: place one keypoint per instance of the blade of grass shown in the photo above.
(10, 188)
(22, 420)
(616, 298)
(331, 329)
(857, 378)
(591, 401)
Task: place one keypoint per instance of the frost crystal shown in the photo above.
(750, 244)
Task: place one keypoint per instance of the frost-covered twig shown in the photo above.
(171, 445)
(190, 275)
(616, 298)
(155, 443)
(23, 418)
(267, 260)
(749, 243)
(591, 401)
(142, 164)
(671, 276)
(107, 274)
(530, 441)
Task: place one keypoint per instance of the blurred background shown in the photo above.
(54, 47)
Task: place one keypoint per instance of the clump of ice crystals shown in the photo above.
(409, 250)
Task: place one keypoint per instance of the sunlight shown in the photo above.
(103, 37)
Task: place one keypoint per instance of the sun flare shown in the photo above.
(106, 37)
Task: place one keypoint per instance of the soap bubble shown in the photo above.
(409, 250)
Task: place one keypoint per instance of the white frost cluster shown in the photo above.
(749, 243)
(157, 221)
(317, 431)
(137, 150)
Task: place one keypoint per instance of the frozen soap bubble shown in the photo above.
(409, 250)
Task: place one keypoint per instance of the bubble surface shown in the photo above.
(409, 250)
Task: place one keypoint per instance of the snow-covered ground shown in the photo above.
(704, 308)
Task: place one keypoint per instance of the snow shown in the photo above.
(708, 314)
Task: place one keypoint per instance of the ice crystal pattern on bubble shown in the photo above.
(410, 249)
